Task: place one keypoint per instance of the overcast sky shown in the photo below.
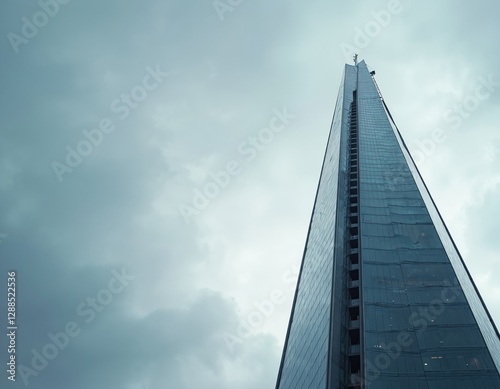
(115, 114)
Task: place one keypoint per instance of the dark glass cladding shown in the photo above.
(304, 362)
(423, 324)
(414, 305)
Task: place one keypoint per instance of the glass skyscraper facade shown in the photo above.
(383, 299)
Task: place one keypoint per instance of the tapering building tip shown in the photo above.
(357, 62)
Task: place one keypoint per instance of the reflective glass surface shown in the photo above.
(484, 320)
(304, 363)
(421, 321)
(417, 318)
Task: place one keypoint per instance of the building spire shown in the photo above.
(355, 58)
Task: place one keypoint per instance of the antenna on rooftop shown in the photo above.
(355, 58)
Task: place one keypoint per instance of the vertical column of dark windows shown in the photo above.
(354, 368)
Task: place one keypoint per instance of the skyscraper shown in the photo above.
(384, 299)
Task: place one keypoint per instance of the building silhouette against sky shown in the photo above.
(384, 299)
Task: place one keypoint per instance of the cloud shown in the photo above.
(118, 208)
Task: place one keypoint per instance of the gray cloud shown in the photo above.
(118, 208)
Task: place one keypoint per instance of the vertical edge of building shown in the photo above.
(383, 296)
(304, 361)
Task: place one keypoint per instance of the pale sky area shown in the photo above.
(116, 115)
